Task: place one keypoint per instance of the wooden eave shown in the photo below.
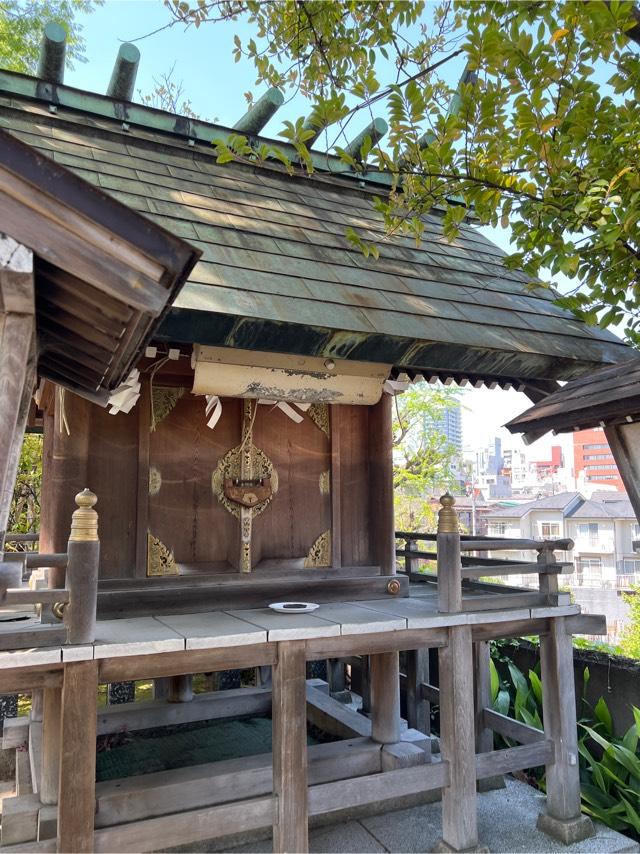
(607, 397)
(277, 272)
(104, 275)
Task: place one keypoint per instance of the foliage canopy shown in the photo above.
(540, 134)
(22, 23)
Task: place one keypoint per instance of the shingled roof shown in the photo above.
(609, 396)
(277, 272)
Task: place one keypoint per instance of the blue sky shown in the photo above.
(215, 85)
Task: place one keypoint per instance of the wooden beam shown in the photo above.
(335, 413)
(559, 702)
(381, 480)
(418, 706)
(510, 629)
(190, 661)
(142, 502)
(514, 759)
(457, 740)
(623, 441)
(164, 792)
(182, 828)
(385, 697)
(516, 569)
(289, 739)
(482, 679)
(51, 732)
(509, 728)
(370, 644)
(76, 796)
(23, 680)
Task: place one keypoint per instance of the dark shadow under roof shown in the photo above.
(277, 272)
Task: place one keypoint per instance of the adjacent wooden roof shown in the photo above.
(104, 275)
(609, 396)
(277, 272)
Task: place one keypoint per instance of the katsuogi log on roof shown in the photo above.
(277, 272)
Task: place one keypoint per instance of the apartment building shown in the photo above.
(593, 462)
(603, 529)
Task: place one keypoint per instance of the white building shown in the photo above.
(603, 529)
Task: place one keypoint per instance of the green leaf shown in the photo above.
(603, 714)
(495, 681)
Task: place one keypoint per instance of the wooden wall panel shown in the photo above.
(355, 488)
(299, 513)
(185, 515)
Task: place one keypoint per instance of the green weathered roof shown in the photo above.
(277, 272)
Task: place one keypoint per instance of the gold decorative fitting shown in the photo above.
(230, 467)
(319, 414)
(320, 552)
(163, 401)
(160, 559)
(447, 516)
(393, 587)
(325, 483)
(57, 609)
(155, 480)
(84, 522)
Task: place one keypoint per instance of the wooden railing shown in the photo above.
(75, 603)
(457, 560)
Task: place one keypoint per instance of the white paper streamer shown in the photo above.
(212, 410)
(125, 397)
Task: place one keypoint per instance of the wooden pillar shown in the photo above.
(418, 709)
(82, 571)
(449, 561)
(385, 697)
(365, 685)
(457, 741)
(336, 675)
(484, 734)
(77, 788)
(382, 524)
(181, 688)
(52, 700)
(562, 818)
(289, 716)
(37, 702)
(17, 361)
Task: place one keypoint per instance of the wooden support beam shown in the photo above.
(509, 728)
(76, 796)
(190, 661)
(562, 817)
(418, 706)
(52, 700)
(457, 740)
(381, 480)
(288, 713)
(335, 480)
(510, 629)
(22, 680)
(514, 759)
(385, 697)
(370, 644)
(482, 685)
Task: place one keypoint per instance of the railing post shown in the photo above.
(410, 546)
(448, 558)
(82, 571)
(547, 583)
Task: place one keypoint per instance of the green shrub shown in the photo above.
(609, 765)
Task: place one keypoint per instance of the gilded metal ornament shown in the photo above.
(160, 559)
(84, 521)
(325, 483)
(155, 480)
(319, 414)
(163, 400)
(245, 467)
(447, 516)
(393, 587)
(320, 552)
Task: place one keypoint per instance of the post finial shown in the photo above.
(84, 522)
(447, 516)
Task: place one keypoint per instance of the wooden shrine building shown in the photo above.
(246, 459)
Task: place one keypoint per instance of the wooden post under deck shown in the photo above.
(289, 739)
(52, 701)
(385, 697)
(484, 734)
(457, 741)
(77, 789)
(562, 818)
